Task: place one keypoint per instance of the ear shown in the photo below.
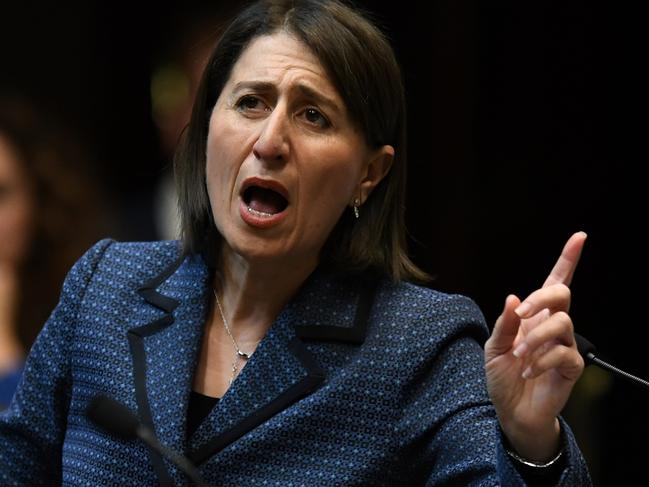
(376, 168)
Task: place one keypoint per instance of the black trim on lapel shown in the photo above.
(135, 340)
(315, 374)
(355, 334)
(314, 378)
(144, 409)
(150, 292)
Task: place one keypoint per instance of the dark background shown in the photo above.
(526, 123)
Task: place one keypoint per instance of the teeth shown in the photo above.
(259, 213)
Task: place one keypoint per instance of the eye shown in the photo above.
(251, 103)
(314, 117)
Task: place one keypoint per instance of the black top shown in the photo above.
(198, 409)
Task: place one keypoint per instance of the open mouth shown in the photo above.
(263, 201)
(264, 198)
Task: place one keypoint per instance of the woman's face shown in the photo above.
(284, 159)
(15, 207)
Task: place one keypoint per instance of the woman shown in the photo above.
(49, 214)
(282, 344)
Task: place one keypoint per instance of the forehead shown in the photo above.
(281, 58)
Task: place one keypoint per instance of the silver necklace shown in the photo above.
(239, 353)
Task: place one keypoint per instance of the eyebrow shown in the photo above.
(307, 91)
(261, 86)
(318, 97)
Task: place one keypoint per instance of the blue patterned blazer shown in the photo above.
(359, 382)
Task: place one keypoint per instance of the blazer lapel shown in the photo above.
(165, 351)
(282, 370)
(279, 373)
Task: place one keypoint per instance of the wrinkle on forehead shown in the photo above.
(284, 62)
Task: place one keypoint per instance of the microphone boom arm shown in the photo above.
(587, 351)
(147, 436)
(615, 370)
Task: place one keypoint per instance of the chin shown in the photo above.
(254, 248)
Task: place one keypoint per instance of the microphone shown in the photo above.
(117, 419)
(587, 351)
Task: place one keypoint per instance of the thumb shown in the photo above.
(505, 330)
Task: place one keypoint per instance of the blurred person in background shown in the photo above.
(178, 66)
(49, 212)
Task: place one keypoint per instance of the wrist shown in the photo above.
(537, 446)
(534, 464)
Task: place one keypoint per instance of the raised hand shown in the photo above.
(532, 362)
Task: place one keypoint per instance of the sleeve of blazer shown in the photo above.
(457, 436)
(32, 429)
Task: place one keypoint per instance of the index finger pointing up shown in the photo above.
(564, 269)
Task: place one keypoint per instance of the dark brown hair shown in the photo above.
(361, 64)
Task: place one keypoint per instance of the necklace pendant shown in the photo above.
(234, 372)
(243, 355)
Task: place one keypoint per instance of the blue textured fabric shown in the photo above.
(328, 398)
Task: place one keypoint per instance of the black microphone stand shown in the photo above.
(587, 351)
(149, 439)
(117, 419)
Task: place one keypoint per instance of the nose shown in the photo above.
(272, 144)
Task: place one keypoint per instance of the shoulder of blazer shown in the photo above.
(133, 264)
(151, 257)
